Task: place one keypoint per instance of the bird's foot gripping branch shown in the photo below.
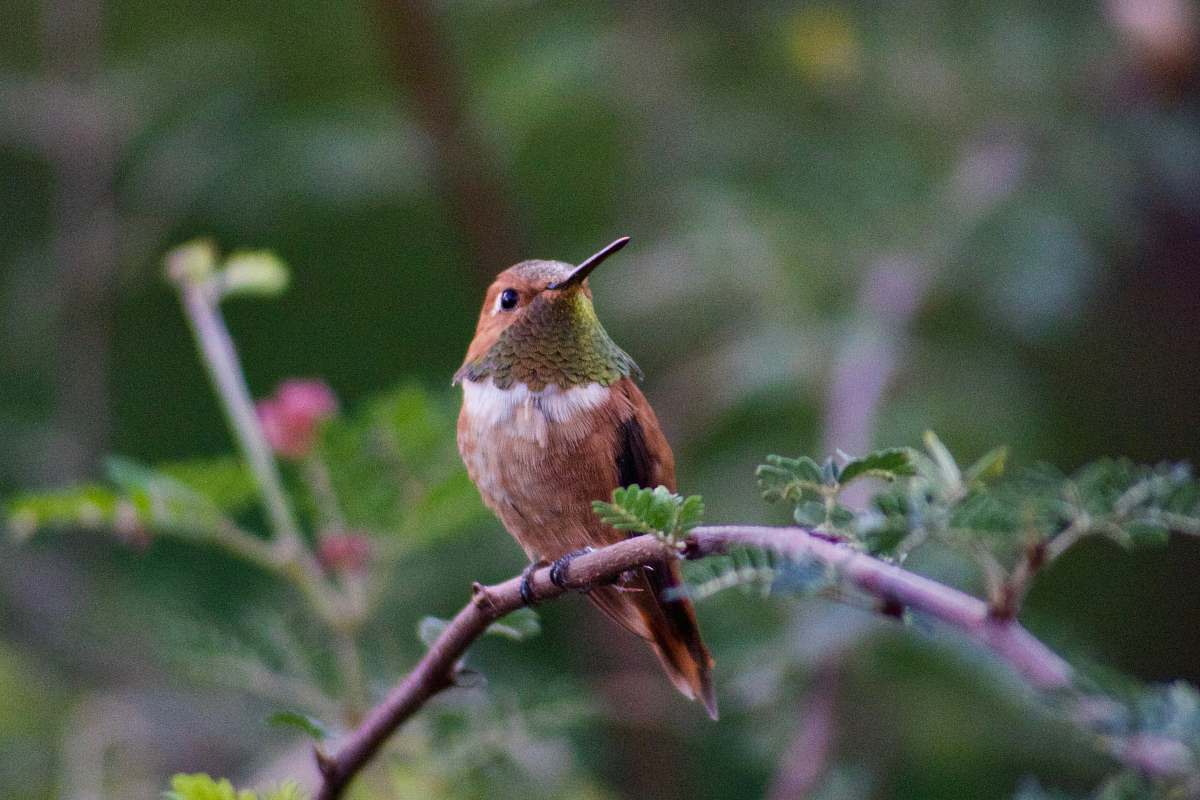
(355, 496)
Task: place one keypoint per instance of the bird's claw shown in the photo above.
(526, 586)
(560, 568)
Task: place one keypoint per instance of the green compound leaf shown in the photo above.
(395, 469)
(185, 497)
(622, 513)
(883, 464)
(226, 481)
(691, 513)
(982, 510)
(657, 510)
(161, 500)
(783, 478)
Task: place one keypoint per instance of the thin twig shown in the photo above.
(225, 533)
(221, 359)
(1064, 541)
(292, 557)
(436, 671)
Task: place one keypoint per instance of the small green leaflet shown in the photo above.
(790, 479)
(883, 464)
(783, 478)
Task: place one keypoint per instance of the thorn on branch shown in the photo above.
(482, 598)
(891, 607)
(326, 764)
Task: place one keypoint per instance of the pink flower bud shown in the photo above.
(289, 418)
(344, 552)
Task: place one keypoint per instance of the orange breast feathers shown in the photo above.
(540, 459)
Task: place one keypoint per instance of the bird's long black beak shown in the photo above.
(585, 269)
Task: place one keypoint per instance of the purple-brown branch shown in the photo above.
(1040, 666)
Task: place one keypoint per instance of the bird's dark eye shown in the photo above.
(508, 299)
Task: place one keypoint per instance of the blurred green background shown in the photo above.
(851, 222)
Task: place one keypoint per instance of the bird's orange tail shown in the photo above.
(668, 624)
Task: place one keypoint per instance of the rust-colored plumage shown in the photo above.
(552, 420)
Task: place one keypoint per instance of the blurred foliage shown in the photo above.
(1014, 528)
(476, 749)
(1038, 511)
(814, 488)
(395, 466)
(202, 787)
(1023, 177)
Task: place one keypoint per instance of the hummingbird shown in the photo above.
(552, 418)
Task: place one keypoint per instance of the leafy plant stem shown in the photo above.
(245, 545)
(221, 360)
(1062, 542)
(288, 555)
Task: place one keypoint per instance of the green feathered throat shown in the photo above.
(559, 341)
